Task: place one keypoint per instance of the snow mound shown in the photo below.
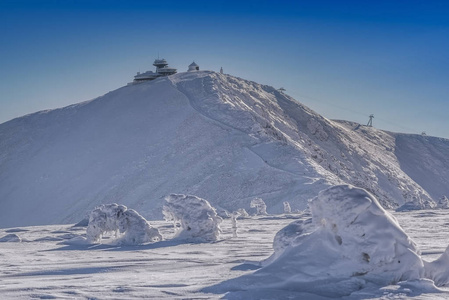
(350, 243)
(10, 238)
(438, 270)
(364, 239)
(129, 227)
(197, 219)
(416, 203)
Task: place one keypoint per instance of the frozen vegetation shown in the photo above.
(127, 225)
(287, 208)
(194, 218)
(260, 206)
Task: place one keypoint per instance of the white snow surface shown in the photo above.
(51, 263)
(216, 136)
(197, 219)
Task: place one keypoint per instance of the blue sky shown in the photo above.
(344, 59)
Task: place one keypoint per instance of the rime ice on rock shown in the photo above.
(287, 208)
(129, 227)
(198, 220)
(317, 129)
(260, 206)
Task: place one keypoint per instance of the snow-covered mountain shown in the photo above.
(216, 136)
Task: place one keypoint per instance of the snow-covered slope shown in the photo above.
(219, 137)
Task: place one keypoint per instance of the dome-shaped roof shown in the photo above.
(193, 67)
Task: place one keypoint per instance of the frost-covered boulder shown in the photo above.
(127, 225)
(11, 238)
(260, 206)
(197, 219)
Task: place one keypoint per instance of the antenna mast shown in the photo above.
(370, 122)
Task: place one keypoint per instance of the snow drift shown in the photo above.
(350, 243)
(213, 135)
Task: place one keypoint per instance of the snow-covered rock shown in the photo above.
(11, 238)
(214, 135)
(197, 219)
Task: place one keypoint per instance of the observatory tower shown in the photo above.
(162, 69)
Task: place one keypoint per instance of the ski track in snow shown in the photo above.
(40, 267)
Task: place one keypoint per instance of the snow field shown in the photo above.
(43, 266)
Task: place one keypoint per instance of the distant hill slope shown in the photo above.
(216, 136)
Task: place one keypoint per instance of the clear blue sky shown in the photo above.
(344, 59)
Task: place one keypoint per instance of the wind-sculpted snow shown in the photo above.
(197, 219)
(350, 243)
(129, 227)
(438, 270)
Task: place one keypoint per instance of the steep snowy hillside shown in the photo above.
(219, 137)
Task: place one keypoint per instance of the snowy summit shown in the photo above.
(208, 134)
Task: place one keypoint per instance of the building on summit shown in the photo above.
(193, 67)
(162, 69)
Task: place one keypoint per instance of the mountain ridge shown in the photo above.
(216, 136)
